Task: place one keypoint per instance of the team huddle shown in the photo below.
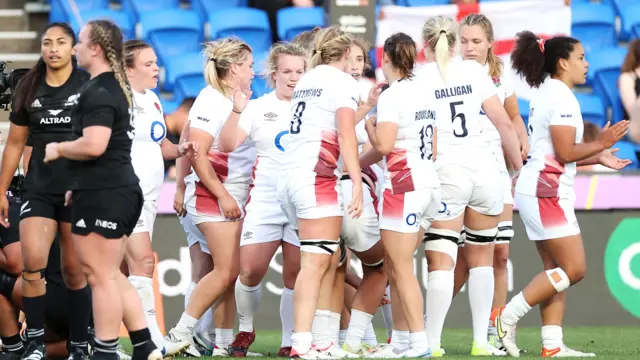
(435, 155)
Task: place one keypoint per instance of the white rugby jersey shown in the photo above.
(408, 165)
(266, 122)
(543, 175)
(505, 89)
(146, 154)
(208, 113)
(457, 103)
(313, 139)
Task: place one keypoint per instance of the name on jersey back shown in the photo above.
(425, 115)
(306, 93)
(454, 91)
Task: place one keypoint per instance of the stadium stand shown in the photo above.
(594, 25)
(292, 21)
(251, 25)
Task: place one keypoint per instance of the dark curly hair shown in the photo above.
(535, 61)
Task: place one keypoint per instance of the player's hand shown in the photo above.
(240, 100)
(524, 150)
(4, 210)
(610, 135)
(374, 95)
(230, 208)
(51, 152)
(178, 202)
(384, 301)
(189, 149)
(609, 159)
(67, 198)
(355, 207)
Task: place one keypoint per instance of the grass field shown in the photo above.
(606, 342)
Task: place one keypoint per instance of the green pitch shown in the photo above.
(606, 342)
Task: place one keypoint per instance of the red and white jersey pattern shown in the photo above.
(313, 142)
(266, 122)
(209, 112)
(505, 89)
(409, 166)
(544, 175)
(457, 99)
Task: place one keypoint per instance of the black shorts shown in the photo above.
(11, 234)
(56, 315)
(50, 206)
(111, 213)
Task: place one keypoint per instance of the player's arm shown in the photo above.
(511, 106)
(238, 125)
(13, 149)
(496, 112)
(26, 158)
(345, 119)
(182, 164)
(96, 131)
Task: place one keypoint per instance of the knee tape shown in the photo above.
(505, 232)
(32, 275)
(481, 237)
(463, 238)
(444, 241)
(7, 282)
(319, 246)
(559, 279)
(343, 253)
(376, 265)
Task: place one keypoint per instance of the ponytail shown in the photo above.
(25, 93)
(495, 65)
(443, 53)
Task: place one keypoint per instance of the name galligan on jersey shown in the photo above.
(454, 91)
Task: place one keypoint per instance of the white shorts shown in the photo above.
(406, 212)
(547, 218)
(147, 218)
(307, 196)
(362, 233)
(505, 177)
(463, 186)
(205, 207)
(194, 236)
(266, 222)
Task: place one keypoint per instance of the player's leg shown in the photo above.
(500, 261)
(9, 331)
(290, 270)
(461, 273)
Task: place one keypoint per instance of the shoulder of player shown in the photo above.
(97, 95)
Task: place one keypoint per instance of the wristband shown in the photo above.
(237, 112)
(180, 149)
(60, 148)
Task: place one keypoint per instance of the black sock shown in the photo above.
(140, 337)
(34, 308)
(106, 346)
(79, 310)
(13, 344)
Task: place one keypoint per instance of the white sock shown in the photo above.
(187, 295)
(438, 299)
(301, 342)
(552, 337)
(144, 287)
(400, 340)
(247, 301)
(224, 337)
(286, 316)
(342, 337)
(187, 324)
(418, 341)
(207, 323)
(515, 309)
(319, 329)
(334, 328)
(370, 336)
(386, 312)
(357, 328)
(480, 287)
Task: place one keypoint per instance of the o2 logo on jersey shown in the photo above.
(443, 209)
(278, 141)
(158, 131)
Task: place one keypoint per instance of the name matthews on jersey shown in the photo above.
(454, 91)
(307, 93)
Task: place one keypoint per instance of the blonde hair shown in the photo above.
(107, 35)
(494, 62)
(331, 44)
(306, 39)
(219, 56)
(439, 33)
(365, 47)
(277, 50)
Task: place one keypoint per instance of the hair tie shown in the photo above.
(541, 45)
(214, 60)
(315, 51)
(443, 31)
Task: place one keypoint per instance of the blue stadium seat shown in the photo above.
(523, 105)
(627, 150)
(169, 106)
(629, 16)
(422, 2)
(250, 25)
(188, 87)
(635, 32)
(604, 70)
(604, 60)
(171, 32)
(134, 8)
(62, 11)
(117, 17)
(204, 7)
(293, 20)
(593, 25)
(181, 65)
(592, 109)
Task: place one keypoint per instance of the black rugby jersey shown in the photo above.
(103, 103)
(49, 120)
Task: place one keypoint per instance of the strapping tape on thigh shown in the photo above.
(481, 237)
(441, 234)
(319, 246)
(30, 274)
(505, 232)
(444, 246)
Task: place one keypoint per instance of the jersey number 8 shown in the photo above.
(456, 115)
(297, 118)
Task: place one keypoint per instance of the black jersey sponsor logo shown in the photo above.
(106, 224)
(453, 91)
(54, 118)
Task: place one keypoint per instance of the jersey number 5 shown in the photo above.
(297, 118)
(456, 115)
